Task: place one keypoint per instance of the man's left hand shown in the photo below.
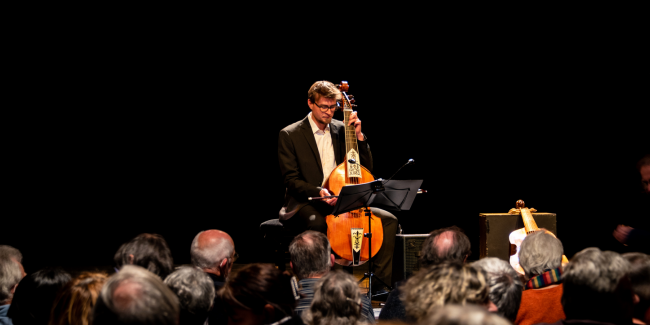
(354, 119)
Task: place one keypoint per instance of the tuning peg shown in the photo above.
(350, 96)
(352, 101)
(353, 105)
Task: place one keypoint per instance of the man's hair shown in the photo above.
(540, 252)
(441, 284)
(10, 273)
(256, 285)
(149, 251)
(195, 291)
(337, 300)
(645, 161)
(505, 287)
(323, 89)
(10, 252)
(596, 287)
(435, 251)
(75, 302)
(135, 296)
(639, 273)
(463, 315)
(211, 255)
(35, 295)
(310, 254)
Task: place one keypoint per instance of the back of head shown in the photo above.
(505, 287)
(195, 291)
(135, 296)
(149, 251)
(337, 300)
(210, 247)
(540, 252)
(463, 315)
(446, 244)
(310, 254)
(35, 295)
(596, 287)
(258, 285)
(640, 278)
(76, 300)
(442, 284)
(10, 273)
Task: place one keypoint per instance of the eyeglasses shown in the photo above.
(327, 108)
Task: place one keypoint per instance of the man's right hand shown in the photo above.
(325, 192)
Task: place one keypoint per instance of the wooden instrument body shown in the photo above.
(517, 236)
(338, 227)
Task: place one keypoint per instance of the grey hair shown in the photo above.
(310, 254)
(505, 287)
(146, 300)
(596, 286)
(639, 273)
(210, 256)
(8, 251)
(10, 275)
(463, 315)
(195, 291)
(337, 300)
(540, 252)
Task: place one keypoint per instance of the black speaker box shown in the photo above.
(406, 255)
(494, 229)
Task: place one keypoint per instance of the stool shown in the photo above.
(276, 241)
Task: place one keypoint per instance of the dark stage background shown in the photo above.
(109, 146)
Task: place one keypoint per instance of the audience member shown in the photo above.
(505, 287)
(35, 296)
(195, 291)
(311, 259)
(640, 277)
(213, 251)
(462, 315)
(442, 245)
(75, 302)
(442, 284)
(259, 294)
(149, 251)
(540, 255)
(337, 300)
(135, 296)
(638, 238)
(597, 288)
(11, 273)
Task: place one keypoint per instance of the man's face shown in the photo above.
(319, 116)
(645, 177)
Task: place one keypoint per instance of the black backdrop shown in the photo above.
(107, 146)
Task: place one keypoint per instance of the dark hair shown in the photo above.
(195, 292)
(310, 254)
(323, 88)
(35, 296)
(505, 287)
(337, 300)
(149, 251)
(135, 296)
(640, 278)
(432, 253)
(256, 285)
(75, 301)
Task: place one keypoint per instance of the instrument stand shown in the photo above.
(380, 194)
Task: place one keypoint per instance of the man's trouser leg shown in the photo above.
(383, 260)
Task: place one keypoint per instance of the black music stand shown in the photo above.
(396, 195)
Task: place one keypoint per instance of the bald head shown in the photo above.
(446, 244)
(211, 250)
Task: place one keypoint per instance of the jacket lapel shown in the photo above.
(309, 135)
(335, 132)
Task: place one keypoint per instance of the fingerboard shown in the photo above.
(351, 147)
(529, 223)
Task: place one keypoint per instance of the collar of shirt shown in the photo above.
(314, 127)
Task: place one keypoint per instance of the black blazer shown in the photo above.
(300, 164)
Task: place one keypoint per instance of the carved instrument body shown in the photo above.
(345, 231)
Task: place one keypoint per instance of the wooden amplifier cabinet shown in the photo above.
(494, 229)
(406, 255)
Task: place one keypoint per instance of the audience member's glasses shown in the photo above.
(325, 108)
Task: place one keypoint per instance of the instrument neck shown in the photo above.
(350, 133)
(529, 223)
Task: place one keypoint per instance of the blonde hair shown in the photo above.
(75, 301)
(442, 284)
(337, 300)
(323, 89)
